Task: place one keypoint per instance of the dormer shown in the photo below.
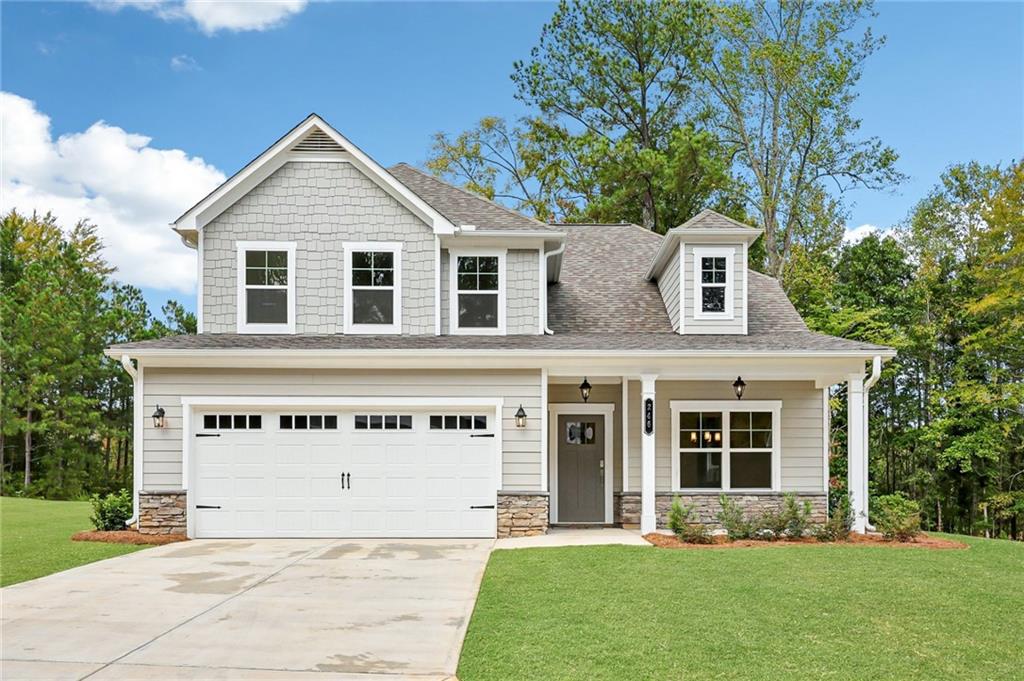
(701, 271)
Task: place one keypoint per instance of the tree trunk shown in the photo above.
(938, 513)
(28, 449)
(649, 217)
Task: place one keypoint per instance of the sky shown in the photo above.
(127, 112)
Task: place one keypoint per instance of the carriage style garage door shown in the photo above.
(344, 473)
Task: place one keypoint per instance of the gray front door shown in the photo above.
(581, 468)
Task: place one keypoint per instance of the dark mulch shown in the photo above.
(668, 541)
(128, 537)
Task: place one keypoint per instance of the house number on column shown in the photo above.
(648, 416)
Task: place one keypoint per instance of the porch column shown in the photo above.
(856, 448)
(648, 516)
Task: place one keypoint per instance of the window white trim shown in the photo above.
(453, 291)
(726, 407)
(240, 299)
(394, 247)
(729, 253)
(607, 410)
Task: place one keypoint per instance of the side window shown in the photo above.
(266, 287)
(373, 302)
(478, 293)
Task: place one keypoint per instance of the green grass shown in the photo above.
(35, 538)
(800, 612)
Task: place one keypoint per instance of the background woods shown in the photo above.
(66, 412)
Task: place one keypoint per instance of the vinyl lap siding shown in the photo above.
(801, 428)
(161, 467)
(668, 284)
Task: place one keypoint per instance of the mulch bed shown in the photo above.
(128, 537)
(669, 541)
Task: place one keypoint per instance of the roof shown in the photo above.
(603, 304)
(705, 227)
(462, 207)
(709, 219)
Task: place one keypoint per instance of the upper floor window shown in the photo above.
(713, 286)
(266, 287)
(478, 292)
(373, 285)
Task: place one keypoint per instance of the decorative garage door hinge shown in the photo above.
(207, 434)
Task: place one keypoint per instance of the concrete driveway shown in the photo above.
(249, 609)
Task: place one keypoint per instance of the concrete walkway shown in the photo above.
(250, 609)
(559, 536)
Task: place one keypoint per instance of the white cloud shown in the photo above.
(113, 178)
(211, 16)
(854, 235)
(184, 62)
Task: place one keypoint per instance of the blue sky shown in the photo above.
(947, 87)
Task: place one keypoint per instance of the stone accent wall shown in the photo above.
(162, 512)
(706, 506)
(522, 514)
(319, 206)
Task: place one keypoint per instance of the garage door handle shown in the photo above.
(486, 506)
(482, 435)
(207, 434)
(346, 481)
(203, 506)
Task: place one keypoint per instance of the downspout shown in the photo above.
(126, 362)
(876, 373)
(548, 255)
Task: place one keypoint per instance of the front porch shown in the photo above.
(619, 457)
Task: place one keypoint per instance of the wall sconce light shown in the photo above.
(738, 385)
(159, 421)
(585, 389)
(520, 417)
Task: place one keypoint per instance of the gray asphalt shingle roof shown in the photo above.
(709, 219)
(462, 207)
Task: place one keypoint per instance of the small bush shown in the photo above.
(771, 524)
(680, 521)
(839, 523)
(897, 517)
(112, 511)
(798, 516)
(735, 522)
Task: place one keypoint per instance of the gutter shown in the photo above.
(869, 382)
(126, 363)
(550, 254)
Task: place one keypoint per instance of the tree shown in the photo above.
(780, 87)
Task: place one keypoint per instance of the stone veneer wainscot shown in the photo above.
(162, 512)
(522, 514)
(706, 506)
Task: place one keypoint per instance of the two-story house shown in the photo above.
(381, 354)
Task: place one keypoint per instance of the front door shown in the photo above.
(581, 468)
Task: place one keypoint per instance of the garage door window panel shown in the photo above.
(382, 422)
(306, 422)
(232, 422)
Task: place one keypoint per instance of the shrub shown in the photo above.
(839, 523)
(771, 524)
(897, 517)
(112, 511)
(798, 516)
(732, 518)
(680, 521)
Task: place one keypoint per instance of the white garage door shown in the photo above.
(302, 473)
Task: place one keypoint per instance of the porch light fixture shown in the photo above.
(585, 389)
(520, 417)
(738, 385)
(158, 417)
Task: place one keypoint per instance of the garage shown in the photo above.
(322, 472)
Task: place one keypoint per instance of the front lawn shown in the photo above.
(35, 538)
(797, 612)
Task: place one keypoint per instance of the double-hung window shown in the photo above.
(266, 287)
(713, 282)
(477, 285)
(373, 288)
(726, 445)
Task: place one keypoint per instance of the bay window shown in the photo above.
(725, 445)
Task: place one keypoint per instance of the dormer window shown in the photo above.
(266, 287)
(373, 285)
(713, 272)
(477, 285)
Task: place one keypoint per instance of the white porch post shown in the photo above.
(648, 517)
(856, 447)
